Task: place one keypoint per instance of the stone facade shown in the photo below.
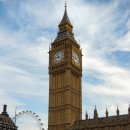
(118, 122)
(6, 122)
(65, 72)
(121, 122)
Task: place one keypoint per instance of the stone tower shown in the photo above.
(65, 73)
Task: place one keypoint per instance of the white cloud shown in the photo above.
(123, 44)
(24, 62)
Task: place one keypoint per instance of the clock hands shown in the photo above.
(58, 56)
(75, 58)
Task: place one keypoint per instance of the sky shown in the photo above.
(101, 27)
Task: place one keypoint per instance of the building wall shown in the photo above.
(121, 122)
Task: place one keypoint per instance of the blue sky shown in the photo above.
(101, 26)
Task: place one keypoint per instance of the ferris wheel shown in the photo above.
(28, 120)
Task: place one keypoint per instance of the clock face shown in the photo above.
(75, 58)
(58, 57)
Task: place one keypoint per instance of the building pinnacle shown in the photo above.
(129, 110)
(86, 116)
(95, 113)
(65, 18)
(65, 4)
(117, 111)
(106, 112)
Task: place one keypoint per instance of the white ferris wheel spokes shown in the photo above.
(28, 120)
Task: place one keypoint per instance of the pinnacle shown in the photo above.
(65, 18)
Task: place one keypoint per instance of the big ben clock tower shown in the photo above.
(65, 72)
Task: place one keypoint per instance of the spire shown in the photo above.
(117, 111)
(106, 112)
(86, 116)
(95, 113)
(65, 27)
(129, 110)
(65, 18)
(65, 3)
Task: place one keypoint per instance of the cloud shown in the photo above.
(103, 31)
(102, 35)
(124, 43)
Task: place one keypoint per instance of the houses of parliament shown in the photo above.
(65, 87)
